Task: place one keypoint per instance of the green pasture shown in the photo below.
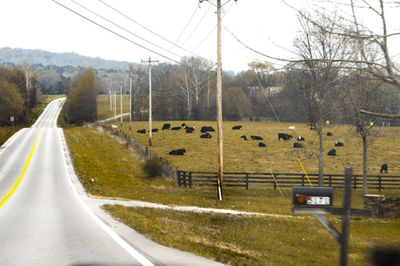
(278, 156)
(103, 106)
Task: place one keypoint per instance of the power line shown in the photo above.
(146, 28)
(124, 29)
(115, 33)
(197, 25)
(187, 24)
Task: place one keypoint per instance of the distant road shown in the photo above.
(43, 221)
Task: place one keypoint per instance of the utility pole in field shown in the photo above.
(120, 99)
(130, 100)
(219, 100)
(150, 103)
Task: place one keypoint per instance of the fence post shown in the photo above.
(330, 180)
(302, 180)
(190, 179)
(354, 182)
(380, 183)
(184, 178)
(178, 175)
(247, 181)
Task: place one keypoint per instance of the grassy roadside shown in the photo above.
(7, 132)
(250, 240)
(237, 240)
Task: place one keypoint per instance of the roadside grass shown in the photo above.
(7, 131)
(279, 156)
(118, 173)
(232, 239)
(256, 240)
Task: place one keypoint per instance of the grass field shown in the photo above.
(244, 240)
(279, 156)
(238, 240)
(103, 106)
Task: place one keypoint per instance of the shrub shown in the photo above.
(153, 167)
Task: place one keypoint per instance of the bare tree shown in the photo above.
(319, 50)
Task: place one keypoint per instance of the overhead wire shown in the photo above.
(197, 25)
(115, 33)
(124, 29)
(184, 28)
(146, 28)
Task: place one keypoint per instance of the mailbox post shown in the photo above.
(318, 201)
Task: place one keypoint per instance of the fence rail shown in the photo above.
(234, 179)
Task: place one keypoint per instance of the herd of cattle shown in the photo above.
(205, 134)
(205, 130)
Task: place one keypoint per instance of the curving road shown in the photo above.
(45, 220)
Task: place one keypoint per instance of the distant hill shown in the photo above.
(15, 56)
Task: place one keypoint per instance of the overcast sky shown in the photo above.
(269, 26)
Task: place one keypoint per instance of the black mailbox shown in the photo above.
(312, 196)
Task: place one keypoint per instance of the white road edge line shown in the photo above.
(128, 248)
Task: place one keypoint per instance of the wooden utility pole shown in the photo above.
(219, 104)
(120, 100)
(150, 103)
(130, 100)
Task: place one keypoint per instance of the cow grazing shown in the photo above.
(329, 134)
(256, 138)
(284, 136)
(236, 127)
(141, 131)
(332, 152)
(166, 126)
(206, 136)
(339, 144)
(244, 137)
(176, 128)
(297, 145)
(189, 129)
(206, 129)
(384, 168)
(154, 130)
(177, 152)
(261, 144)
(183, 125)
(300, 138)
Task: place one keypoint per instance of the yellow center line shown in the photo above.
(25, 168)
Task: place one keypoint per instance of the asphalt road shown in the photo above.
(45, 221)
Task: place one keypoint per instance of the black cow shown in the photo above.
(176, 128)
(384, 168)
(329, 134)
(206, 129)
(244, 137)
(332, 152)
(261, 144)
(339, 144)
(166, 126)
(297, 145)
(183, 125)
(284, 136)
(256, 138)
(177, 152)
(236, 127)
(206, 136)
(141, 131)
(300, 138)
(189, 129)
(154, 130)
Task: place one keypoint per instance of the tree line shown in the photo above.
(19, 92)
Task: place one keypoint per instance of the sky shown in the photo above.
(178, 28)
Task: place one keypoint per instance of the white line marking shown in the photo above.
(128, 248)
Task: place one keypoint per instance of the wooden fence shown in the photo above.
(232, 179)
